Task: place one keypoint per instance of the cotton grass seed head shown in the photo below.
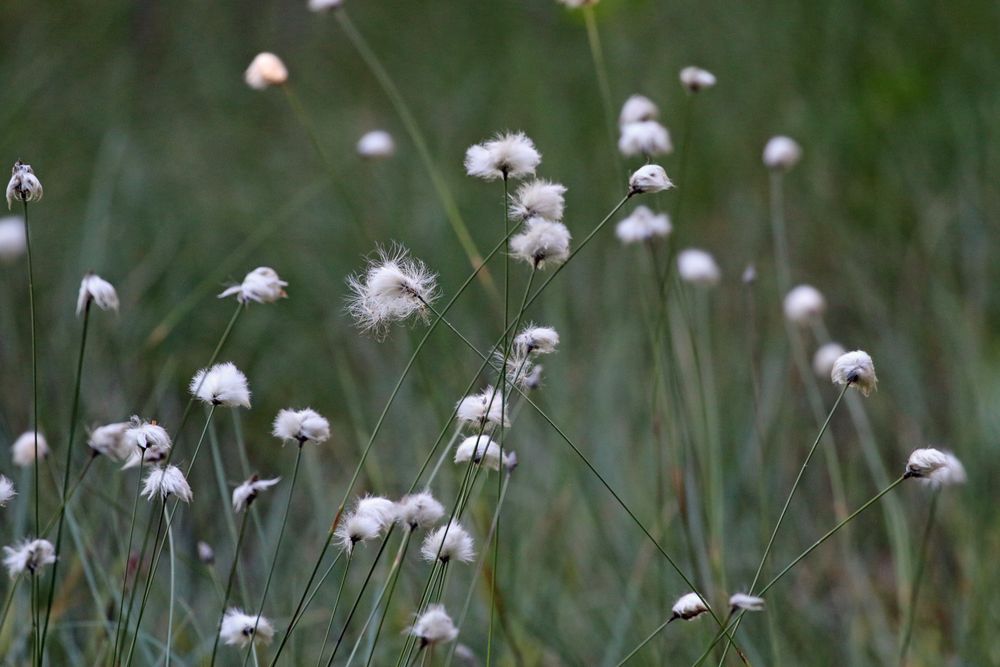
(262, 285)
(23, 186)
(647, 138)
(935, 467)
(109, 440)
(543, 243)
(6, 490)
(324, 5)
(28, 557)
(532, 379)
(486, 407)
(13, 243)
(638, 109)
(534, 339)
(449, 543)
(23, 451)
(538, 199)
(392, 287)
(507, 155)
(222, 384)
(479, 449)
(247, 492)
(826, 356)
(376, 144)
(95, 289)
(688, 607)
(696, 79)
(419, 510)
(649, 178)
(146, 441)
(804, 304)
(746, 602)
(166, 481)
(206, 554)
(265, 70)
(355, 529)
(643, 225)
(237, 629)
(382, 510)
(434, 626)
(782, 153)
(856, 369)
(301, 425)
(698, 268)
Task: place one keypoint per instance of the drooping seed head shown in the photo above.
(266, 70)
(643, 225)
(23, 452)
(262, 285)
(804, 304)
(696, 79)
(23, 186)
(649, 178)
(855, 369)
(781, 153)
(222, 384)
(95, 289)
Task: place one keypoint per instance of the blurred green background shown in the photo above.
(168, 176)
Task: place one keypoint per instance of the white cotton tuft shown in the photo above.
(782, 153)
(533, 378)
(479, 449)
(167, 481)
(301, 425)
(206, 554)
(538, 199)
(147, 442)
(95, 289)
(637, 109)
(324, 5)
(484, 407)
(804, 304)
(356, 528)
(647, 137)
(856, 369)
(237, 629)
(222, 384)
(935, 467)
(534, 339)
(262, 285)
(649, 178)
(689, 606)
(245, 493)
(696, 79)
(434, 626)
(449, 543)
(265, 70)
(28, 556)
(22, 452)
(13, 242)
(510, 155)
(392, 287)
(698, 267)
(382, 510)
(419, 510)
(542, 243)
(643, 225)
(746, 602)
(23, 186)
(376, 144)
(109, 440)
(6, 490)
(826, 356)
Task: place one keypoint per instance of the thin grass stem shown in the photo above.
(229, 585)
(918, 576)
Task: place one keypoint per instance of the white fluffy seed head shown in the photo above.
(534, 339)
(647, 137)
(245, 493)
(449, 543)
(262, 285)
(301, 425)
(538, 199)
(392, 287)
(804, 304)
(95, 289)
(357, 528)
(419, 510)
(698, 267)
(238, 629)
(543, 243)
(649, 178)
(265, 70)
(22, 452)
(146, 442)
(376, 144)
(696, 79)
(746, 602)
(485, 407)
(206, 554)
(935, 467)
(167, 481)
(382, 510)
(28, 556)
(643, 225)
(23, 186)
(637, 109)
(856, 369)
(109, 440)
(6, 490)
(222, 384)
(507, 155)
(689, 606)
(781, 153)
(434, 626)
(826, 356)
(12, 240)
(479, 449)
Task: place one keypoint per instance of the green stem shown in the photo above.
(391, 583)
(128, 556)
(646, 640)
(229, 584)
(333, 613)
(201, 439)
(170, 612)
(154, 565)
(781, 256)
(603, 83)
(34, 355)
(918, 576)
